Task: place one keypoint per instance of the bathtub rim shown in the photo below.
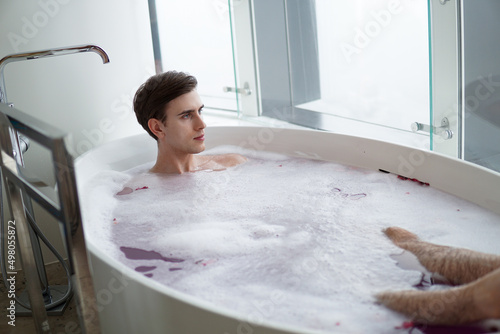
(219, 136)
(223, 131)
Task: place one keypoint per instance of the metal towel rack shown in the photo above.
(64, 208)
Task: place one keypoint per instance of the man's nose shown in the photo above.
(200, 124)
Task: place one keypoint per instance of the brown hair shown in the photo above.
(152, 97)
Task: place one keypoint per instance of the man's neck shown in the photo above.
(172, 163)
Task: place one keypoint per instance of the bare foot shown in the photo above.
(443, 307)
(473, 302)
(457, 265)
(399, 235)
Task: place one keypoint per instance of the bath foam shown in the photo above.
(281, 239)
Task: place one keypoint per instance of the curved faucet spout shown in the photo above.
(46, 53)
(54, 52)
(100, 52)
(22, 141)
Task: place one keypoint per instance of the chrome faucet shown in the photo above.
(42, 54)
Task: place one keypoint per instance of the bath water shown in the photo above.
(281, 239)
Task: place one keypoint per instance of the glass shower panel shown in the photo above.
(195, 37)
(352, 66)
(373, 58)
(481, 80)
(446, 119)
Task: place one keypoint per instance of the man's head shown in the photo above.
(152, 98)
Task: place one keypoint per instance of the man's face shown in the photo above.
(184, 125)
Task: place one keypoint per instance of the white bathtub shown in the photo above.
(130, 303)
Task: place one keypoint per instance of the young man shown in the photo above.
(169, 108)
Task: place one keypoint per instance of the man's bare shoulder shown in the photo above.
(230, 159)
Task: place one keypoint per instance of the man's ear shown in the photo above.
(156, 127)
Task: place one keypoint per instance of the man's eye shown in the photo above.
(199, 111)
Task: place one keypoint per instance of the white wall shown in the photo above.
(77, 93)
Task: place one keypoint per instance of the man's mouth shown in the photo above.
(202, 137)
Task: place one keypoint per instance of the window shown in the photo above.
(360, 67)
(194, 36)
(352, 66)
